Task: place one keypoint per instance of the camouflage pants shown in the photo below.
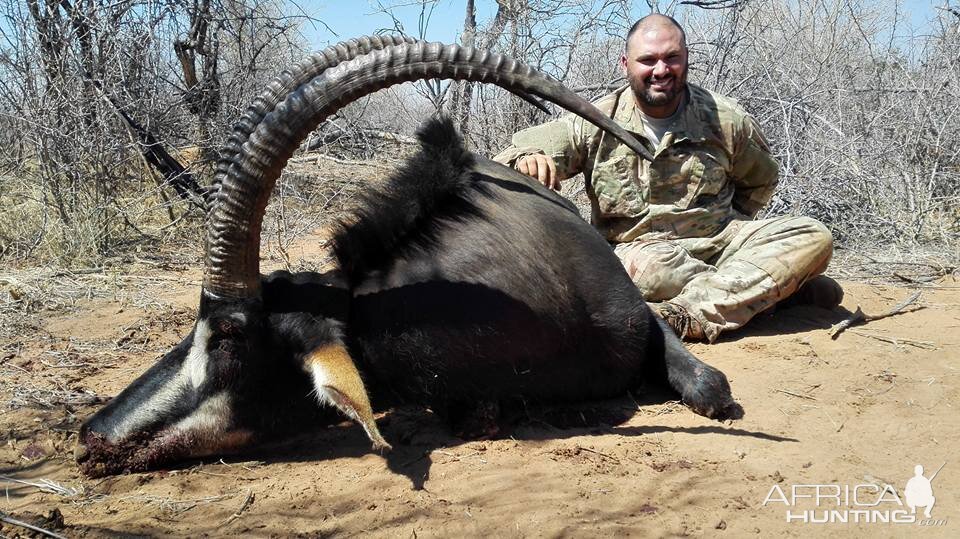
(725, 280)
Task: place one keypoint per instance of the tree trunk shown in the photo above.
(463, 96)
(202, 92)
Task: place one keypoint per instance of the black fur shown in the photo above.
(473, 283)
(429, 186)
(467, 287)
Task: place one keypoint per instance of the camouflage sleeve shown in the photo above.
(563, 139)
(755, 172)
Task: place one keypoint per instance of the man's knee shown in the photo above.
(820, 240)
(808, 243)
(660, 269)
(819, 232)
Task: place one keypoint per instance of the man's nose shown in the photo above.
(660, 69)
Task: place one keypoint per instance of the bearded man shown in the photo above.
(683, 224)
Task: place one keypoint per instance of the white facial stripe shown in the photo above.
(192, 372)
(207, 428)
(213, 415)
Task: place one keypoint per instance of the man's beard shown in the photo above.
(644, 94)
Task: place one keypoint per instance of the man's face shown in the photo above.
(655, 63)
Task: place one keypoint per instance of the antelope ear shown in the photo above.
(337, 382)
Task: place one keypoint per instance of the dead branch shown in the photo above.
(243, 506)
(9, 520)
(713, 4)
(859, 317)
(794, 394)
(897, 341)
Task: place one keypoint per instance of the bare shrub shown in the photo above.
(73, 184)
(860, 114)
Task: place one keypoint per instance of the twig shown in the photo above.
(63, 365)
(26, 395)
(925, 345)
(246, 465)
(227, 475)
(4, 517)
(46, 485)
(460, 458)
(173, 222)
(81, 271)
(859, 316)
(799, 395)
(176, 506)
(246, 503)
(587, 449)
(317, 157)
(918, 279)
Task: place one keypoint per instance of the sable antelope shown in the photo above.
(464, 286)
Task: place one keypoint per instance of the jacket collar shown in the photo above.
(694, 123)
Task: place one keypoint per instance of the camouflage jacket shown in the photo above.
(712, 167)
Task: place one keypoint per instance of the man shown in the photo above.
(682, 224)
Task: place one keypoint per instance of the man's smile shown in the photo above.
(661, 85)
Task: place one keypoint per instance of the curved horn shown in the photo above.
(233, 232)
(292, 78)
(287, 81)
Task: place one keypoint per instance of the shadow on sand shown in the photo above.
(416, 432)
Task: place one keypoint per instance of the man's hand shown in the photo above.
(541, 167)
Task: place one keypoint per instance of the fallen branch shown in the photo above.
(917, 279)
(246, 503)
(925, 345)
(859, 317)
(798, 395)
(5, 518)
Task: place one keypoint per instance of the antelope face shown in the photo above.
(249, 370)
(196, 400)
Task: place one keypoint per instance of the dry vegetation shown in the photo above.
(859, 108)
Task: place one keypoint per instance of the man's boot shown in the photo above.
(683, 324)
(821, 291)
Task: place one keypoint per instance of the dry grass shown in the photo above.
(48, 486)
(28, 395)
(174, 506)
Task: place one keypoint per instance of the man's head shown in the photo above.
(655, 63)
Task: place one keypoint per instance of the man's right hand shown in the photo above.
(541, 167)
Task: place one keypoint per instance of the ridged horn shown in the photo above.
(233, 231)
(284, 83)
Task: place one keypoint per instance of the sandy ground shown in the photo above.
(859, 410)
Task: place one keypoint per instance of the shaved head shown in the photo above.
(656, 21)
(655, 64)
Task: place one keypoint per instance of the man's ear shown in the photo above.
(623, 63)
